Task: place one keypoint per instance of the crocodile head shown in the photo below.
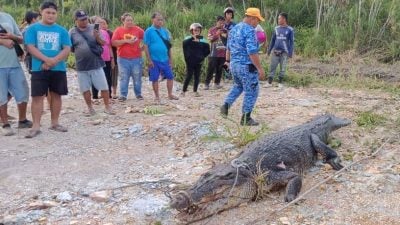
(221, 188)
(323, 125)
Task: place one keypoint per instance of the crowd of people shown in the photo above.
(104, 57)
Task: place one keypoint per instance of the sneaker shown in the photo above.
(139, 97)
(25, 124)
(122, 99)
(207, 87)
(217, 86)
(7, 130)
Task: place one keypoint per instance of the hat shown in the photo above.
(254, 12)
(80, 15)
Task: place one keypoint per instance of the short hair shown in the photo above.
(123, 17)
(155, 14)
(220, 18)
(284, 15)
(48, 4)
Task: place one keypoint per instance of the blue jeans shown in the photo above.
(13, 80)
(130, 68)
(244, 81)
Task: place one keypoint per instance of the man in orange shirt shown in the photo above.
(127, 38)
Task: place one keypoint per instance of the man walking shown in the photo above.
(49, 45)
(281, 47)
(12, 76)
(157, 46)
(87, 46)
(242, 55)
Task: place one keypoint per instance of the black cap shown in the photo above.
(80, 15)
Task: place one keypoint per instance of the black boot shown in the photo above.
(248, 121)
(224, 110)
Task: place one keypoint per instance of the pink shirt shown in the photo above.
(106, 47)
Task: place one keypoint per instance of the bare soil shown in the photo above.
(134, 157)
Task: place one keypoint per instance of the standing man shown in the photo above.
(49, 45)
(157, 46)
(242, 57)
(128, 38)
(217, 36)
(281, 46)
(87, 46)
(12, 77)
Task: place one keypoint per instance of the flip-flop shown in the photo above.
(173, 97)
(33, 133)
(89, 113)
(58, 128)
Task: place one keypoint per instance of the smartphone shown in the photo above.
(96, 26)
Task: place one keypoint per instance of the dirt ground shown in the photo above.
(115, 169)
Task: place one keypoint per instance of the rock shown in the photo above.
(130, 109)
(96, 122)
(42, 205)
(64, 197)
(73, 222)
(135, 129)
(100, 196)
(181, 107)
(284, 220)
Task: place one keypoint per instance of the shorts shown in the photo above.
(44, 81)
(13, 81)
(95, 77)
(160, 68)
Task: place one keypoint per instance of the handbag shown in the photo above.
(94, 47)
(20, 52)
(167, 43)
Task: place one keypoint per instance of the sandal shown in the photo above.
(173, 97)
(109, 112)
(33, 133)
(89, 113)
(58, 128)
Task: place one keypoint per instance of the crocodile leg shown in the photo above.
(281, 178)
(329, 155)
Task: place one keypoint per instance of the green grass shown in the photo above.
(237, 134)
(369, 119)
(151, 110)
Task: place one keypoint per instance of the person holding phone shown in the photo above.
(87, 45)
(217, 36)
(243, 59)
(128, 39)
(195, 50)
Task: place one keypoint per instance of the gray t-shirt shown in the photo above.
(8, 57)
(85, 59)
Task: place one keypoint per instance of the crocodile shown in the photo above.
(270, 163)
